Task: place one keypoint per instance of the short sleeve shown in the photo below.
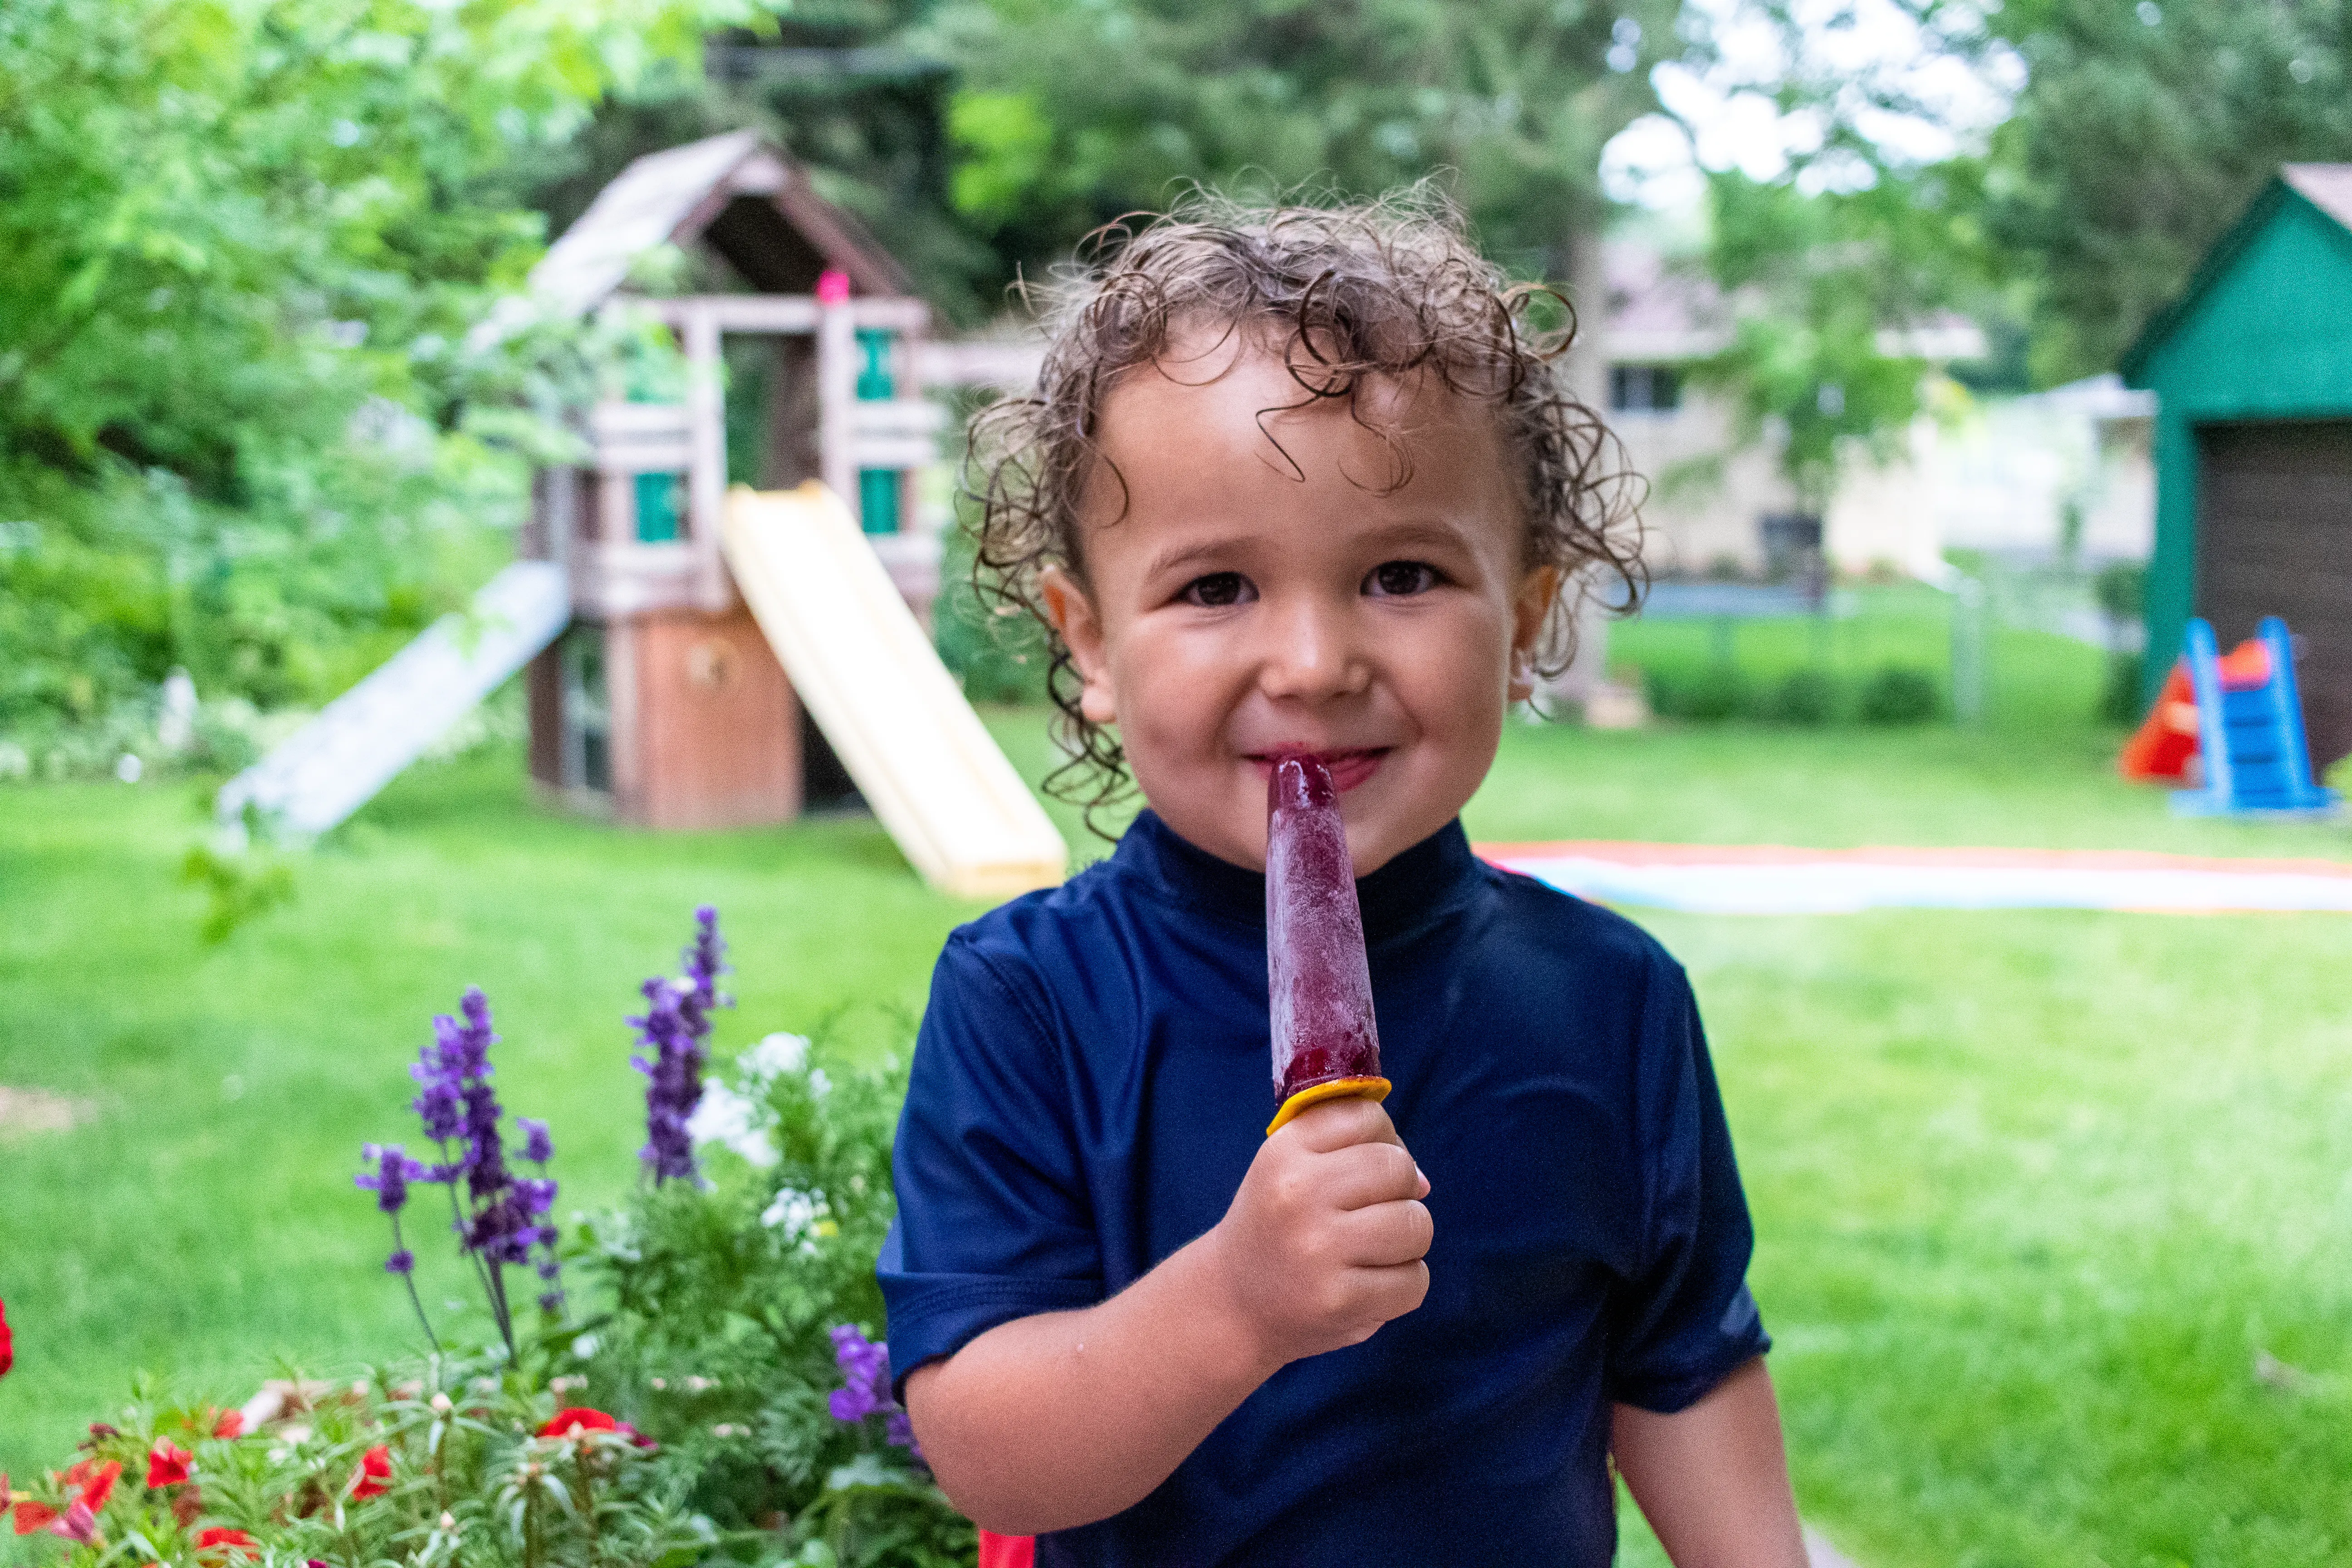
(993, 1220)
(1685, 1320)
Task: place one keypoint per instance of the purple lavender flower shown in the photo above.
(866, 1387)
(389, 1181)
(402, 1262)
(538, 1195)
(497, 1218)
(672, 1029)
(865, 1373)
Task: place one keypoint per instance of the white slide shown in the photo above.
(870, 678)
(335, 763)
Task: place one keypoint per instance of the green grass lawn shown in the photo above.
(2034, 1191)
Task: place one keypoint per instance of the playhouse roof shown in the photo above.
(2326, 187)
(735, 193)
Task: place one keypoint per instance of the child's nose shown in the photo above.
(1313, 653)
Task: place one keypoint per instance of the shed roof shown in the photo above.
(735, 193)
(2327, 187)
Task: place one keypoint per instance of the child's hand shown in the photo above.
(1324, 1242)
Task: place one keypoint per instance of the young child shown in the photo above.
(1298, 481)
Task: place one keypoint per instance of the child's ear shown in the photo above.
(1538, 592)
(1073, 616)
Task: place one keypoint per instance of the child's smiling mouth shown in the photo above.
(1348, 767)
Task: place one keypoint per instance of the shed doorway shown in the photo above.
(2274, 537)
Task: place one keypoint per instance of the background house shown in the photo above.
(2063, 473)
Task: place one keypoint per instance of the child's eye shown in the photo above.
(1218, 589)
(1397, 579)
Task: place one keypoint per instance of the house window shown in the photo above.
(1644, 388)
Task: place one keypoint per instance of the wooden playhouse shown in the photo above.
(2252, 372)
(806, 358)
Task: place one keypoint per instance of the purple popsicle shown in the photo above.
(1326, 1045)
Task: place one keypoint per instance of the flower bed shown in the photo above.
(720, 1399)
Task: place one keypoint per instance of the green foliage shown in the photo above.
(249, 426)
(999, 657)
(1515, 97)
(238, 888)
(1708, 694)
(1900, 694)
(1806, 697)
(1827, 287)
(427, 1466)
(2121, 589)
(2141, 134)
(724, 1302)
(2122, 700)
(2136, 134)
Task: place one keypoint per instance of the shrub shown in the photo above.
(727, 1402)
(1805, 696)
(745, 1313)
(998, 657)
(1710, 696)
(468, 1459)
(1897, 694)
(2119, 699)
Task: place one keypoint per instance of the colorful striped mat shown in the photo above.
(1768, 879)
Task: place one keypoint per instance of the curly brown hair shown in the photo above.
(1390, 289)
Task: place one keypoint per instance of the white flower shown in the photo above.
(819, 1085)
(726, 1117)
(777, 1054)
(795, 1213)
(585, 1347)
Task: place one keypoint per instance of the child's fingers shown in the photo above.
(1337, 1123)
(1385, 1236)
(1363, 1174)
(1390, 1292)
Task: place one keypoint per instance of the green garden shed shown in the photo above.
(2253, 371)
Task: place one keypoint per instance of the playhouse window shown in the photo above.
(1644, 388)
(661, 500)
(877, 489)
(587, 710)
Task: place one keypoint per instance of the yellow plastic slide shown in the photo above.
(870, 678)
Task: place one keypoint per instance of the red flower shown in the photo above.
(96, 1481)
(32, 1516)
(221, 1537)
(376, 1469)
(7, 1345)
(230, 1425)
(167, 1466)
(571, 1421)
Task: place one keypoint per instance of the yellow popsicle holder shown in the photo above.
(1372, 1089)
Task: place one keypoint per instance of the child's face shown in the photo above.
(1250, 605)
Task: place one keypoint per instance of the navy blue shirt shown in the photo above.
(1093, 1079)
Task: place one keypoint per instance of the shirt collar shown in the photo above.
(1409, 888)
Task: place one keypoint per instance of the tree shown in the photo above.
(2140, 135)
(2135, 135)
(247, 241)
(1829, 292)
(1072, 112)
